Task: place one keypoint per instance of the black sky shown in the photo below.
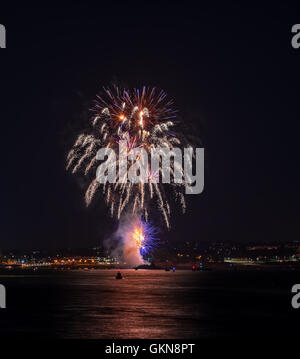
(232, 73)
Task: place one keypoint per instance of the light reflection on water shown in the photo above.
(144, 304)
(148, 304)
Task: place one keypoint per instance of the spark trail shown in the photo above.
(142, 119)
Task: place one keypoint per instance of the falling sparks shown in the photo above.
(143, 119)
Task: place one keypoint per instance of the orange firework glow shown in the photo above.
(141, 114)
(139, 237)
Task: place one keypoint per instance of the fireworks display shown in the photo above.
(144, 236)
(133, 241)
(143, 119)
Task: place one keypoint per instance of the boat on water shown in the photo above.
(119, 275)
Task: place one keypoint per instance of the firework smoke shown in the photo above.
(133, 240)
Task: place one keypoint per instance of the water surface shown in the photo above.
(149, 304)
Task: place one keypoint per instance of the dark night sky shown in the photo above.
(233, 75)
